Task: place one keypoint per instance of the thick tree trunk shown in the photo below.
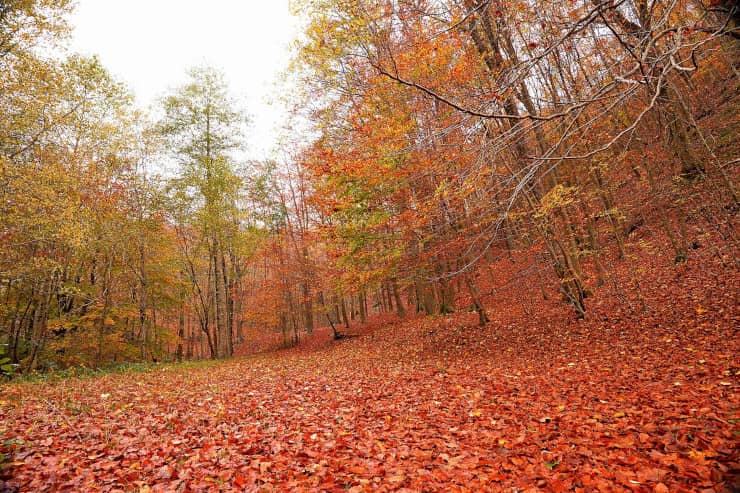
(477, 303)
(400, 310)
(344, 312)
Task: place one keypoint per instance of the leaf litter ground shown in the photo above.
(534, 401)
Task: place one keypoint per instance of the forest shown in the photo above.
(498, 253)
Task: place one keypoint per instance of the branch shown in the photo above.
(472, 112)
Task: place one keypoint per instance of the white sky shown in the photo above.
(148, 44)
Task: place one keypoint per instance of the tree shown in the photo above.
(203, 133)
(523, 113)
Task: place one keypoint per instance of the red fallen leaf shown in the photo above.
(651, 474)
(422, 455)
(660, 488)
(240, 480)
(397, 478)
(517, 461)
(631, 460)
(358, 470)
(557, 486)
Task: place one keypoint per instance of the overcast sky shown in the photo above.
(148, 44)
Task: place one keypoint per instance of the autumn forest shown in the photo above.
(497, 251)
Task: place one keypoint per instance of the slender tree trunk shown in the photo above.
(142, 299)
(228, 307)
(101, 321)
(363, 307)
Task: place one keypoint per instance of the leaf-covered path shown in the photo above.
(606, 404)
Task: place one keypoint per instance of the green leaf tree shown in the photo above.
(204, 131)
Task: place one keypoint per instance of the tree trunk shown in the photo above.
(363, 307)
(477, 303)
(344, 313)
(400, 310)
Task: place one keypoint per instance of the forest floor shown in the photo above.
(629, 399)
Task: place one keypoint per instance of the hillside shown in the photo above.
(535, 401)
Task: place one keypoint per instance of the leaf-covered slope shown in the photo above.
(531, 402)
